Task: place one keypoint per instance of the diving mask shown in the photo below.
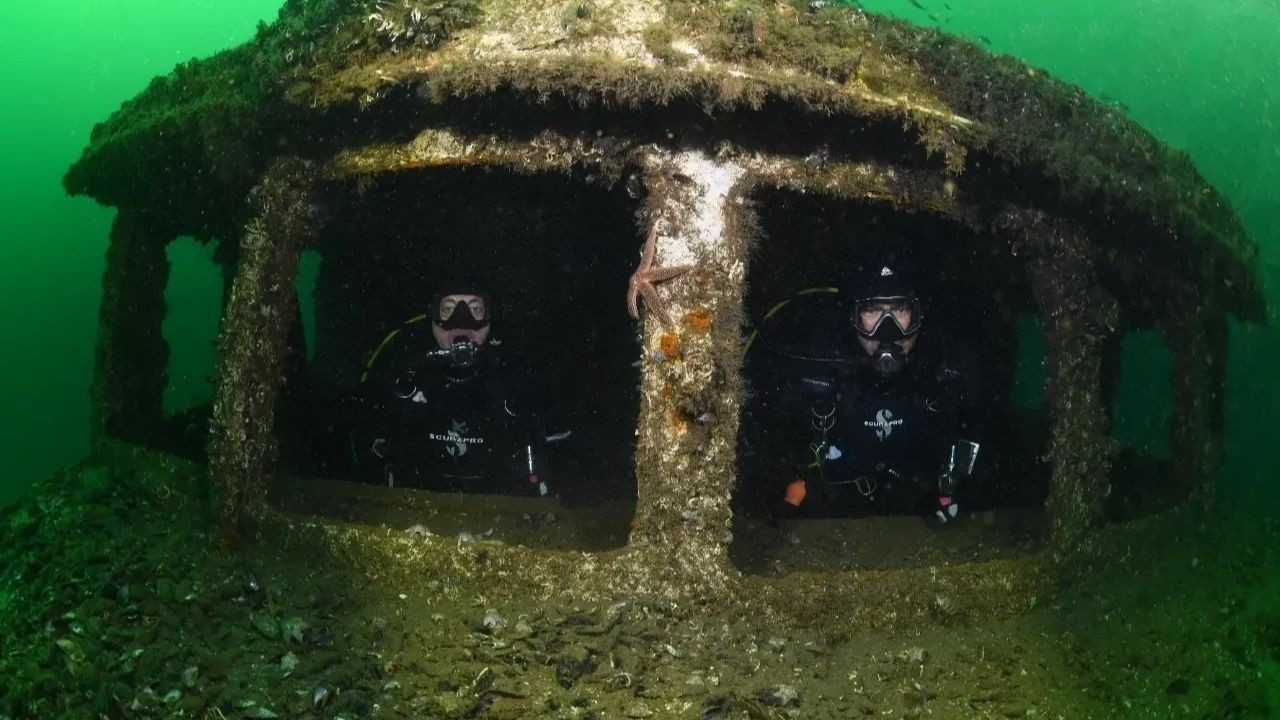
(461, 311)
(888, 321)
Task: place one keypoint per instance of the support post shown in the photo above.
(254, 340)
(691, 381)
(131, 357)
(1078, 316)
(1196, 335)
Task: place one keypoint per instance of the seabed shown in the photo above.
(120, 604)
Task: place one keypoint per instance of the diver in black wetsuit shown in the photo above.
(449, 411)
(892, 421)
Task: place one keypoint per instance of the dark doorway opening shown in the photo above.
(804, 362)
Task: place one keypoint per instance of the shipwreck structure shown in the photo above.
(691, 119)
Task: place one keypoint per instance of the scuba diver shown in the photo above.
(449, 410)
(891, 416)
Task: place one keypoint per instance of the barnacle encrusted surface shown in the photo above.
(328, 72)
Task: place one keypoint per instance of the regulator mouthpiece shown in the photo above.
(888, 359)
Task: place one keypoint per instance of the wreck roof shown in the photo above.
(189, 147)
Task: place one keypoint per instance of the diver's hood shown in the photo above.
(884, 280)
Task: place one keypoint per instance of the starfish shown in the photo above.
(646, 276)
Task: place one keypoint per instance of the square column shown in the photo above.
(698, 219)
(254, 342)
(130, 369)
(1078, 317)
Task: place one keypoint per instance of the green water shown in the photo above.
(1200, 75)
(63, 67)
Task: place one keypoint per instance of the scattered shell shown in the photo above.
(288, 662)
(291, 630)
(466, 536)
(780, 696)
(484, 680)
(189, 676)
(493, 622)
(71, 649)
(944, 605)
(265, 625)
(319, 697)
(172, 696)
(251, 584)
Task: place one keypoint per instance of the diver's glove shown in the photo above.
(948, 509)
(792, 498)
(959, 465)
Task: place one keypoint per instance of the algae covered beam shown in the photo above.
(254, 340)
(132, 356)
(690, 382)
(1078, 316)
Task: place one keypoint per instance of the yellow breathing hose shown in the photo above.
(778, 307)
(373, 357)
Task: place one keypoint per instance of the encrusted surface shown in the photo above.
(131, 357)
(1078, 315)
(149, 620)
(689, 396)
(304, 80)
(918, 113)
(254, 339)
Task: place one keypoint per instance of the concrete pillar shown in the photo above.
(131, 358)
(690, 380)
(1078, 316)
(254, 342)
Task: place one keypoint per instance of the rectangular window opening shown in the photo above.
(840, 467)
(391, 416)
